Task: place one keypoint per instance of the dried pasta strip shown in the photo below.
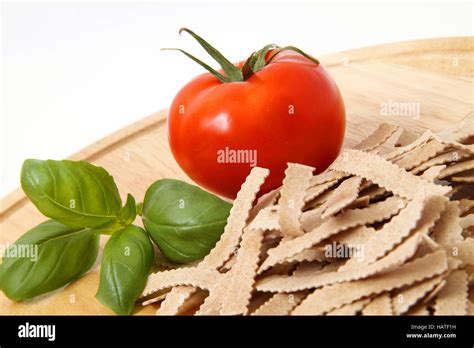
(266, 220)
(336, 295)
(394, 231)
(237, 220)
(280, 304)
(407, 137)
(463, 251)
(434, 207)
(432, 173)
(317, 201)
(448, 157)
(386, 174)
(350, 218)
(355, 236)
(309, 255)
(229, 239)
(308, 280)
(453, 297)
(238, 281)
(326, 176)
(451, 140)
(377, 138)
(461, 131)
(296, 182)
(350, 308)
(312, 218)
(421, 154)
(204, 279)
(420, 215)
(360, 202)
(269, 199)
(154, 300)
(456, 168)
(374, 192)
(406, 298)
(423, 139)
(175, 300)
(447, 229)
(317, 190)
(345, 194)
(212, 304)
(380, 305)
(241, 278)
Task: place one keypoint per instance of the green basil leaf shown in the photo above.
(129, 211)
(128, 256)
(183, 220)
(77, 194)
(46, 258)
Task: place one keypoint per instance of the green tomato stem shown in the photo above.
(256, 61)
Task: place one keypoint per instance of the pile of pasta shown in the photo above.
(387, 229)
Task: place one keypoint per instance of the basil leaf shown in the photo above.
(128, 256)
(183, 220)
(77, 194)
(46, 258)
(129, 211)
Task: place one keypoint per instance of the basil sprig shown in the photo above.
(83, 202)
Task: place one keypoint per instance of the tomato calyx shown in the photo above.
(255, 62)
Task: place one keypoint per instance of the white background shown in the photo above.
(75, 72)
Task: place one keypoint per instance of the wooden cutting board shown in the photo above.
(436, 75)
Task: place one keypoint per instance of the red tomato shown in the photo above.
(289, 111)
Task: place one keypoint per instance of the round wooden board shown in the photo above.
(436, 74)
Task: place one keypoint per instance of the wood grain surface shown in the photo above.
(436, 75)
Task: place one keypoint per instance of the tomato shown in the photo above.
(289, 110)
